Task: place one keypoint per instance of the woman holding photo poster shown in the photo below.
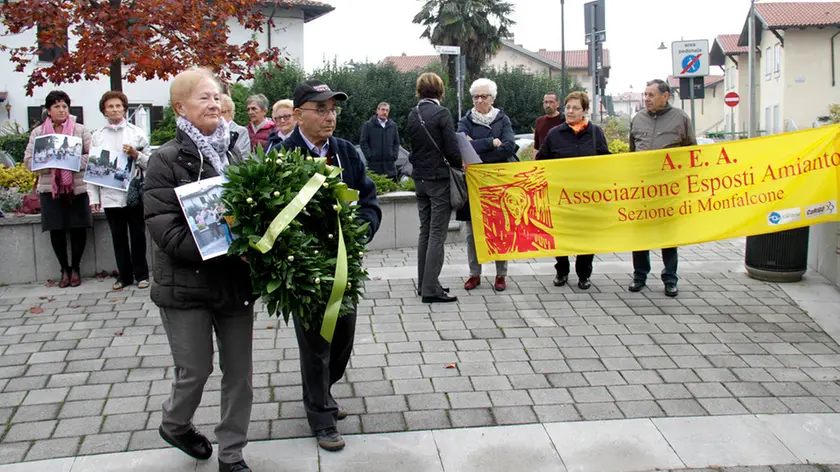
(126, 222)
(64, 198)
(199, 297)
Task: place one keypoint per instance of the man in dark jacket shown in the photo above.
(380, 142)
(322, 364)
(660, 126)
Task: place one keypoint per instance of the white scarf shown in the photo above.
(484, 119)
(214, 146)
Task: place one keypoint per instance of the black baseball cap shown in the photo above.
(315, 91)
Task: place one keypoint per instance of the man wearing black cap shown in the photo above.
(322, 364)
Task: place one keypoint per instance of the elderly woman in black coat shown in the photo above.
(197, 298)
(491, 135)
(574, 138)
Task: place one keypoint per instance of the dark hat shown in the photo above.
(315, 91)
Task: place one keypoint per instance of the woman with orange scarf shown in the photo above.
(65, 206)
(574, 138)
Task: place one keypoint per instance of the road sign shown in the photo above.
(451, 50)
(685, 88)
(597, 23)
(691, 58)
(731, 99)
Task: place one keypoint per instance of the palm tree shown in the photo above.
(477, 26)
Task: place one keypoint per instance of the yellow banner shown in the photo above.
(655, 199)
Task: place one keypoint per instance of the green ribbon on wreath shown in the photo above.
(290, 212)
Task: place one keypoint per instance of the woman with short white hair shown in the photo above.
(491, 135)
(260, 127)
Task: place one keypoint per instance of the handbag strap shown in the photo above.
(423, 124)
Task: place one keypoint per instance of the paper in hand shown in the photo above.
(468, 154)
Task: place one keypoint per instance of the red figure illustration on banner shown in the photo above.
(517, 216)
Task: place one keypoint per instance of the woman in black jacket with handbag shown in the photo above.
(574, 138)
(491, 135)
(434, 149)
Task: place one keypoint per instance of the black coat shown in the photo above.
(182, 279)
(482, 141)
(426, 159)
(353, 173)
(562, 142)
(378, 143)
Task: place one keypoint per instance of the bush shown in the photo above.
(17, 177)
(618, 146)
(11, 199)
(384, 184)
(14, 144)
(166, 128)
(527, 153)
(407, 185)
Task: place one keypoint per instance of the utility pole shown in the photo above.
(563, 48)
(751, 123)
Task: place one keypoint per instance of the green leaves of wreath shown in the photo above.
(295, 223)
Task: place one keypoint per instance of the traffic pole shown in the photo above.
(459, 83)
(691, 97)
(751, 122)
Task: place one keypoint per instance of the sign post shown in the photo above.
(691, 59)
(594, 26)
(732, 100)
(455, 51)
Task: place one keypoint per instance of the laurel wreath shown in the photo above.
(296, 224)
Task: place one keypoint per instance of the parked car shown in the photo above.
(404, 167)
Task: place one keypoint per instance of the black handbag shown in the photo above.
(457, 178)
(135, 191)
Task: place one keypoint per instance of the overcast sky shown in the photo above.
(373, 29)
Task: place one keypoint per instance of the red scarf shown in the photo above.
(579, 126)
(62, 180)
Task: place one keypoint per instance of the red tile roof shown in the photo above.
(729, 44)
(798, 14)
(311, 8)
(574, 59)
(405, 63)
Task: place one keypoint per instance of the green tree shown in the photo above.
(276, 84)
(477, 26)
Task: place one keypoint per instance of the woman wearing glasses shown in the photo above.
(283, 114)
(491, 134)
(574, 138)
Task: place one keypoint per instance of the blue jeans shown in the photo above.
(641, 265)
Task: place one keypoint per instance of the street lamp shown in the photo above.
(662, 46)
(563, 47)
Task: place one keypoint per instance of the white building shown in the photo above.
(289, 17)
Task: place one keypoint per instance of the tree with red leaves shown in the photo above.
(135, 39)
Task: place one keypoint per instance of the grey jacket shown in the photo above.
(667, 128)
(242, 142)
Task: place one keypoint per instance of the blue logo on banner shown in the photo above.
(774, 218)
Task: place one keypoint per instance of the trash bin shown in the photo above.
(778, 257)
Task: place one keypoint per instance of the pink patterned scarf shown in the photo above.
(62, 180)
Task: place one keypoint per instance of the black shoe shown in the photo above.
(193, 443)
(342, 413)
(671, 290)
(329, 439)
(240, 466)
(560, 280)
(445, 290)
(440, 299)
(637, 286)
(584, 284)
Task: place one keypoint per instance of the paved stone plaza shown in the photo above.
(84, 371)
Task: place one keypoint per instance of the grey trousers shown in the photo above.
(475, 267)
(435, 212)
(322, 364)
(190, 334)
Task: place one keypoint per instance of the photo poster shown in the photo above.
(109, 169)
(202, 205)
(57, 151)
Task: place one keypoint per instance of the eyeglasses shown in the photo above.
(282, 117)
(483, 96)
(323, 111)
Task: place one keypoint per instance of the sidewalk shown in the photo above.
(83, 371)
(798, 441)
